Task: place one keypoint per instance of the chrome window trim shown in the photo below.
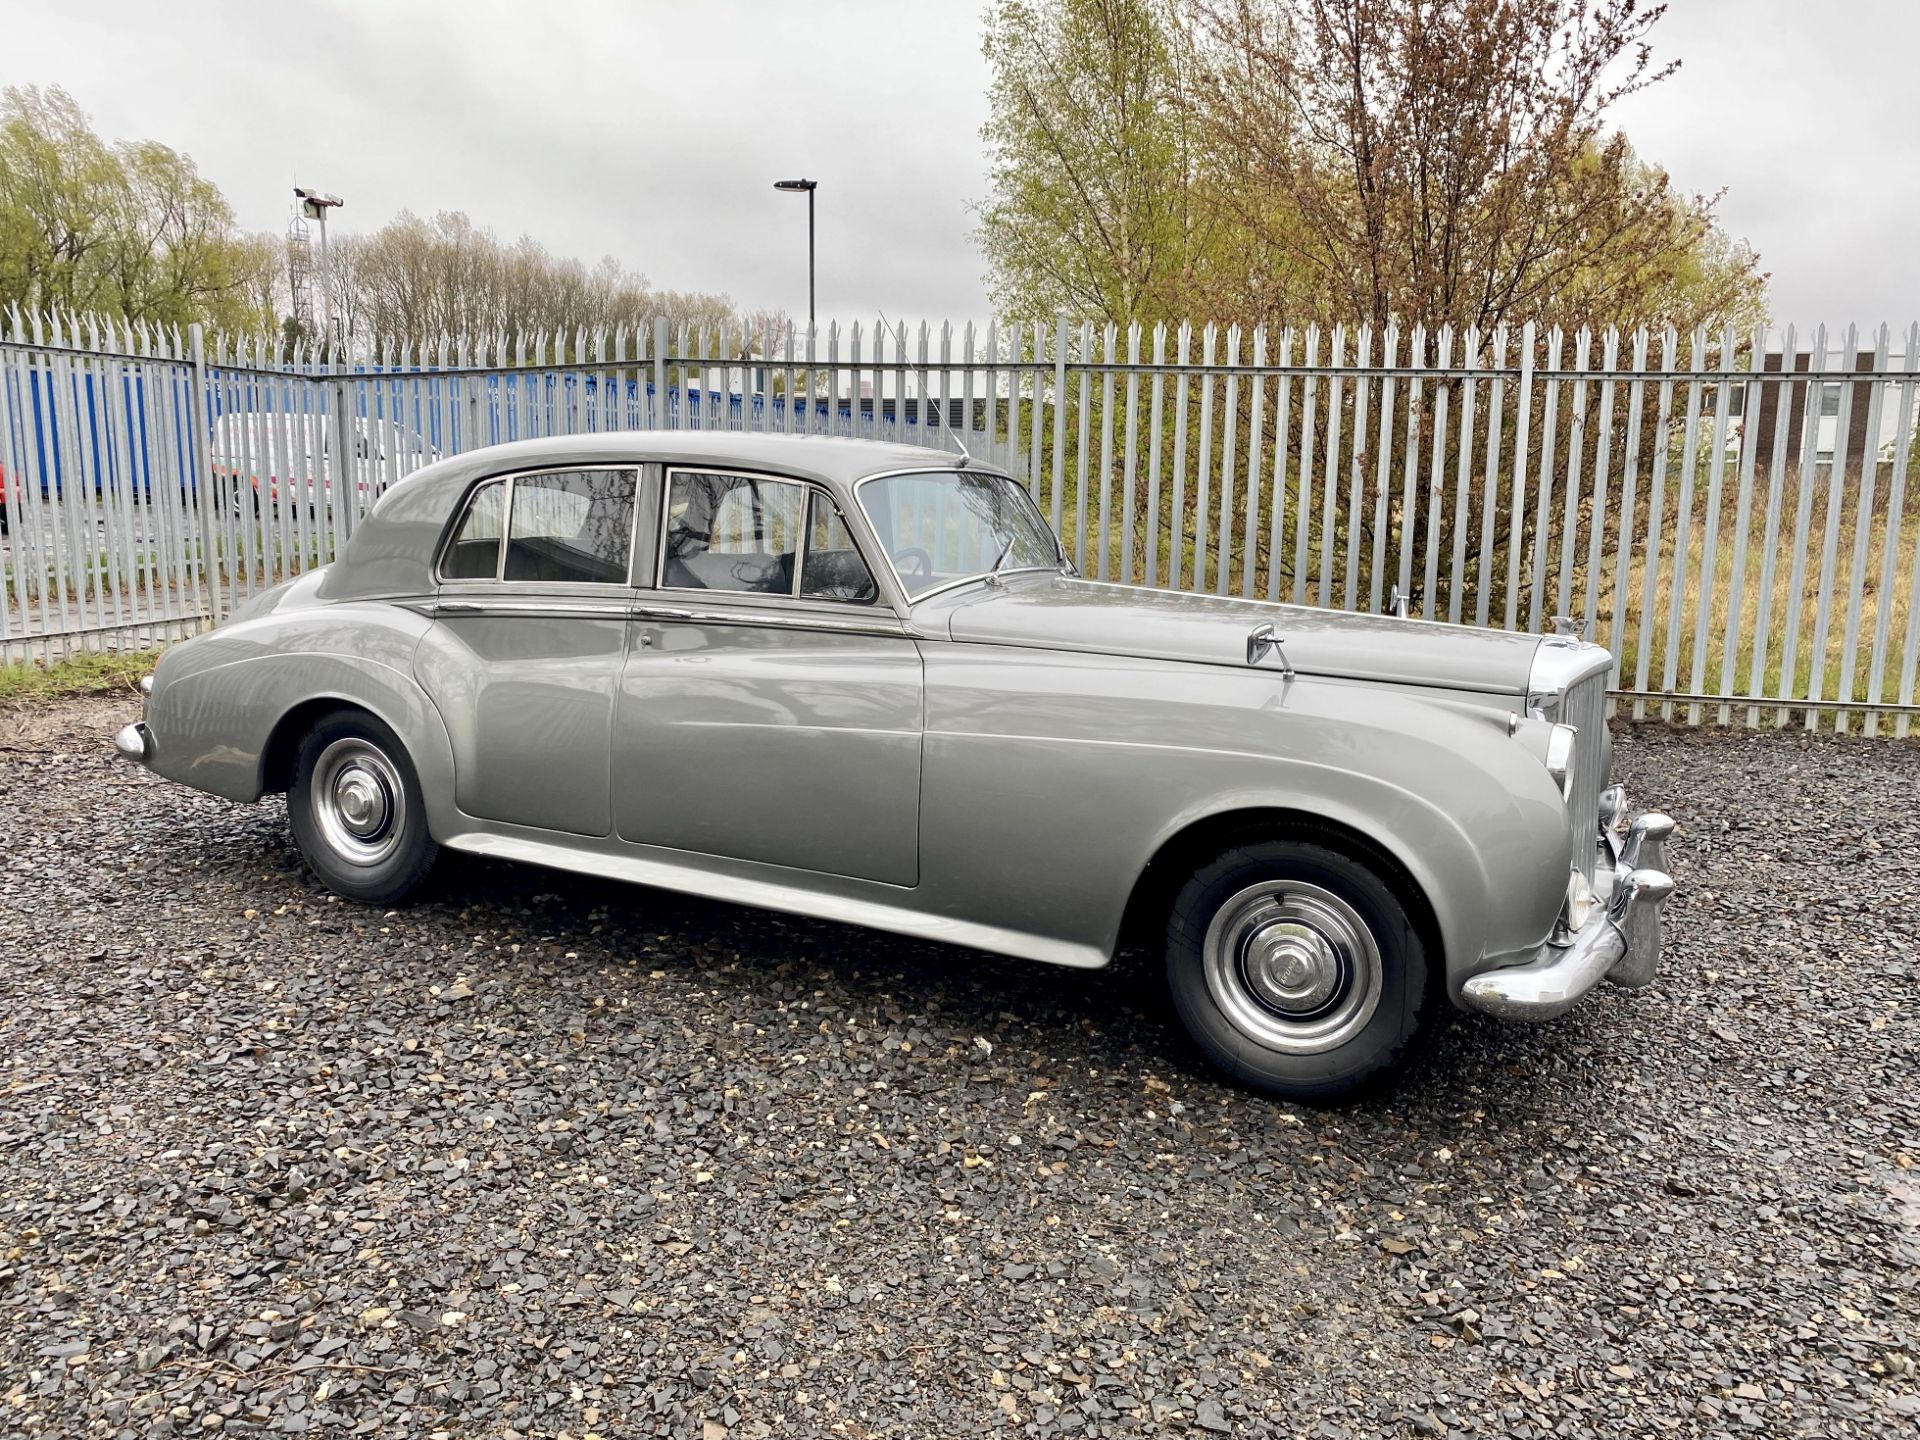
(914, 598)
(885, 623)
(808, 489)
(468, 585)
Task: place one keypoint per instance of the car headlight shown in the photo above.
(1581, 901)
(1559, 757)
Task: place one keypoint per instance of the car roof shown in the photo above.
(830, 459)
(392, 548)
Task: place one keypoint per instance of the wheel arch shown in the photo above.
(1192, 846)
(228, 708)
(281, 752)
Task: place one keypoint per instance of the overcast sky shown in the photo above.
(653, 130)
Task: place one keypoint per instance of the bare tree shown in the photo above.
(417, 279)
(1452, 161)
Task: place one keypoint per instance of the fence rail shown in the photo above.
(1729, 514)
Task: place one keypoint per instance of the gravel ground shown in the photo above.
(539, 1156)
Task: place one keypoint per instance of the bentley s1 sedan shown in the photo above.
(863, 682)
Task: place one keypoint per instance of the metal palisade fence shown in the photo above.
(1728, 513)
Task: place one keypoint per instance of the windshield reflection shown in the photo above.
(944, 526)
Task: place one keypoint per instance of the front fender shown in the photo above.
(1051, 783)
(218, 698)
(1470, 815)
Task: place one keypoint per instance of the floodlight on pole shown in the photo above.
(809, 186)
(314, 204)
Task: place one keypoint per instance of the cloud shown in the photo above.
(653, 132)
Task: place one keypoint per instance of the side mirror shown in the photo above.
(1261, 639)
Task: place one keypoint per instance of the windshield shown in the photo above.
(948, 525)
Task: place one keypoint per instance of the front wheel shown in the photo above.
(1299, 971)
(356, 809)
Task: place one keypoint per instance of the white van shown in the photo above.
(265, 458)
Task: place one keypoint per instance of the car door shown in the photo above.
(530, 633)
(770, 707)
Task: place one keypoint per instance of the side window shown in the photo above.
(475, 551)
(833, 569)
(571, 527)
(731, 532)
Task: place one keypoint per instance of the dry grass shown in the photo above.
(1824, 667)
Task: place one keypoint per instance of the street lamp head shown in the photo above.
(806, 187)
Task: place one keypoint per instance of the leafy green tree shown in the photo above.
(1097, 166)
(129, 229)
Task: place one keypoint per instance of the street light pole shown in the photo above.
(809, 186)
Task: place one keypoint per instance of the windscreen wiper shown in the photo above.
(993, 575)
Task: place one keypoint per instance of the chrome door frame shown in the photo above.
(887, 597)
(468, 586)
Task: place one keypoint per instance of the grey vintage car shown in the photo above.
(862, 682)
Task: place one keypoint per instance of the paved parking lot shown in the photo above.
(543, 1156)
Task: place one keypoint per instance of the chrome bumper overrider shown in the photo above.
(135, 742)
(1621, 945)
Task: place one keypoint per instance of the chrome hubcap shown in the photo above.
(358, 801)
(362, 805)
(1293, 966)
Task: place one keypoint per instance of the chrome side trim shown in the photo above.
(1364, 677)
(671, 870)
(558, 607)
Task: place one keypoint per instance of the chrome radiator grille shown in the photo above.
(1584, 706)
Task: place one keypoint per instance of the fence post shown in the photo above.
(1059, 414)
(346, 451)
(660, 373)
(200, 467)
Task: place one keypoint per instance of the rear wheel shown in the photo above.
(356, 809)
(1299, 971)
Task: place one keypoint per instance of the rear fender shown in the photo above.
(220, 700)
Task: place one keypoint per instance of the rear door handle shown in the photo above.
(457, 607)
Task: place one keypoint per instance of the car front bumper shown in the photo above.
(1620, 943)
